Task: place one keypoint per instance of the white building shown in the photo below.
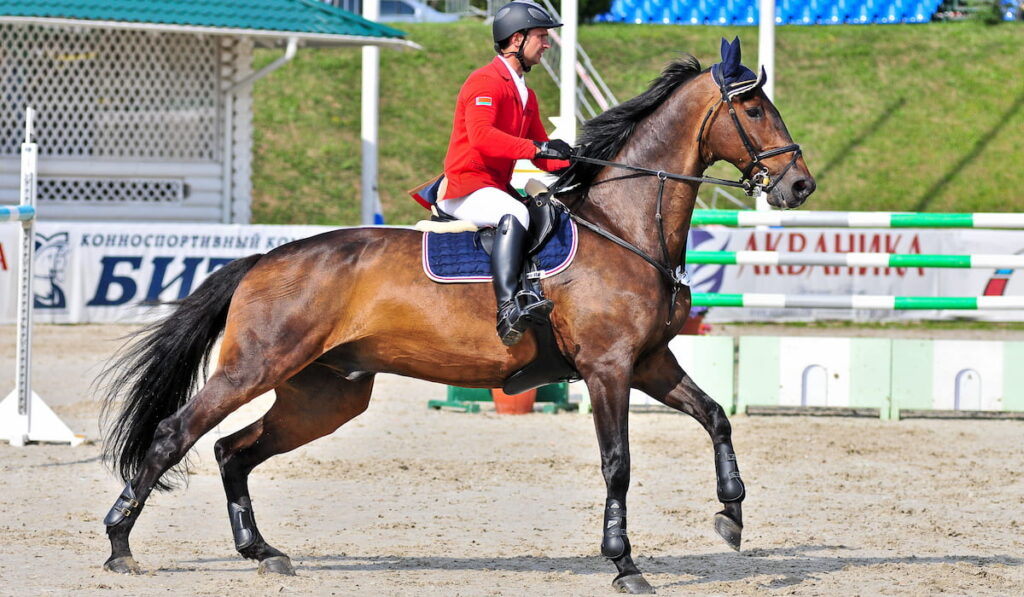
(144, 109)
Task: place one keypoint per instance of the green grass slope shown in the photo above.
(915, 117)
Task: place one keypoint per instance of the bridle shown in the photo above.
(761, 181)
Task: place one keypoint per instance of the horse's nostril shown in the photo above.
(803, 187)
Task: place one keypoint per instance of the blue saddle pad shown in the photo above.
(455, 257)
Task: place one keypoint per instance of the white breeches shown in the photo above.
(486, 206)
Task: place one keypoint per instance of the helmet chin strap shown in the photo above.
(519, 55)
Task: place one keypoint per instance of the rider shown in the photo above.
(497, 121)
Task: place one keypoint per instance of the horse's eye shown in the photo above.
(754, 112)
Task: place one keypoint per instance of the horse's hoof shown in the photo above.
(634, 584)
(277, 565)
(122, 565)
(729, 530)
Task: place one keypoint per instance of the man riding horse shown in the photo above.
(317, 319)
(497, 121)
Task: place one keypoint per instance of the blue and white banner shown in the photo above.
(108, 272)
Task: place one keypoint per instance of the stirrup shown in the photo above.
(511, 323)
(533, 306)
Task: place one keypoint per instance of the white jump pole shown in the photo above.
(766, 56)
(370, 119)
(766, 45)
(24, 417)
(567, 72)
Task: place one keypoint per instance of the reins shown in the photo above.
(676, 278)
(747, 185)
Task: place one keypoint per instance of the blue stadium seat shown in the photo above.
(918, 12)
(617, 12)
(707, 10)
(804, 16)
(721, 16)
(819, 11)
(873, 10)
(855, 12)
(787, 12)
(831, 15)
(651, 10)
(750, 15)
(693, 16)
(620, 11)
(677, 8)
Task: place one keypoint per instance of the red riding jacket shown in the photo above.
(491, 131)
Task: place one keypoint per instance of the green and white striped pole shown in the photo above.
(889, 303)
(866, 219)
(854, 259)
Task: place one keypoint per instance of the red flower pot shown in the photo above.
(514, 404)
(693, 326)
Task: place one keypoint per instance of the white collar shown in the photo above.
(520, 80)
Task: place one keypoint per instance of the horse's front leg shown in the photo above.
(609, 394)
(660, 376)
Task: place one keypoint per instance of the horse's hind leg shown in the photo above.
(660, 376)
(173, 438)
(310, 405)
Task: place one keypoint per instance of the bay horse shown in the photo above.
(317, 318)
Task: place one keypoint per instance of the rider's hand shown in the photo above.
(555, 149)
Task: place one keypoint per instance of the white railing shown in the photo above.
(592, 94)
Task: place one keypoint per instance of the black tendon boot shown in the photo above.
(515, 311)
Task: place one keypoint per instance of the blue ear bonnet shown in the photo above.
(732, 77)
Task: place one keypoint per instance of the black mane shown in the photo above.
(604, 135)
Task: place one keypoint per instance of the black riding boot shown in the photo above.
(515, 310)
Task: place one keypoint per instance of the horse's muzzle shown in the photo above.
(790, 194)
(800, 190)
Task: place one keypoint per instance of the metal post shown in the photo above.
(370, 118)
(227, 175)
(26, 253)
(24, 417)
(567, 72)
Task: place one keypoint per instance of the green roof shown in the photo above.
(307, 19)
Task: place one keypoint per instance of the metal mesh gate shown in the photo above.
(130, 124)
(111, 93)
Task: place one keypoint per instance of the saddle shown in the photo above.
(544, 216)
(549, 365)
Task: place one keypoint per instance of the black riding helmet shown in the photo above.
(519, 16)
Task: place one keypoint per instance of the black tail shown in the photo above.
(156, 373)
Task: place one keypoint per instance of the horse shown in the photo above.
(316, 319)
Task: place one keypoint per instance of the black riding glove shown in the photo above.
(555, 149)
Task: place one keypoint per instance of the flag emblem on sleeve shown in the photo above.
(483, 100)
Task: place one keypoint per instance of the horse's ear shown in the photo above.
(731, 55)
